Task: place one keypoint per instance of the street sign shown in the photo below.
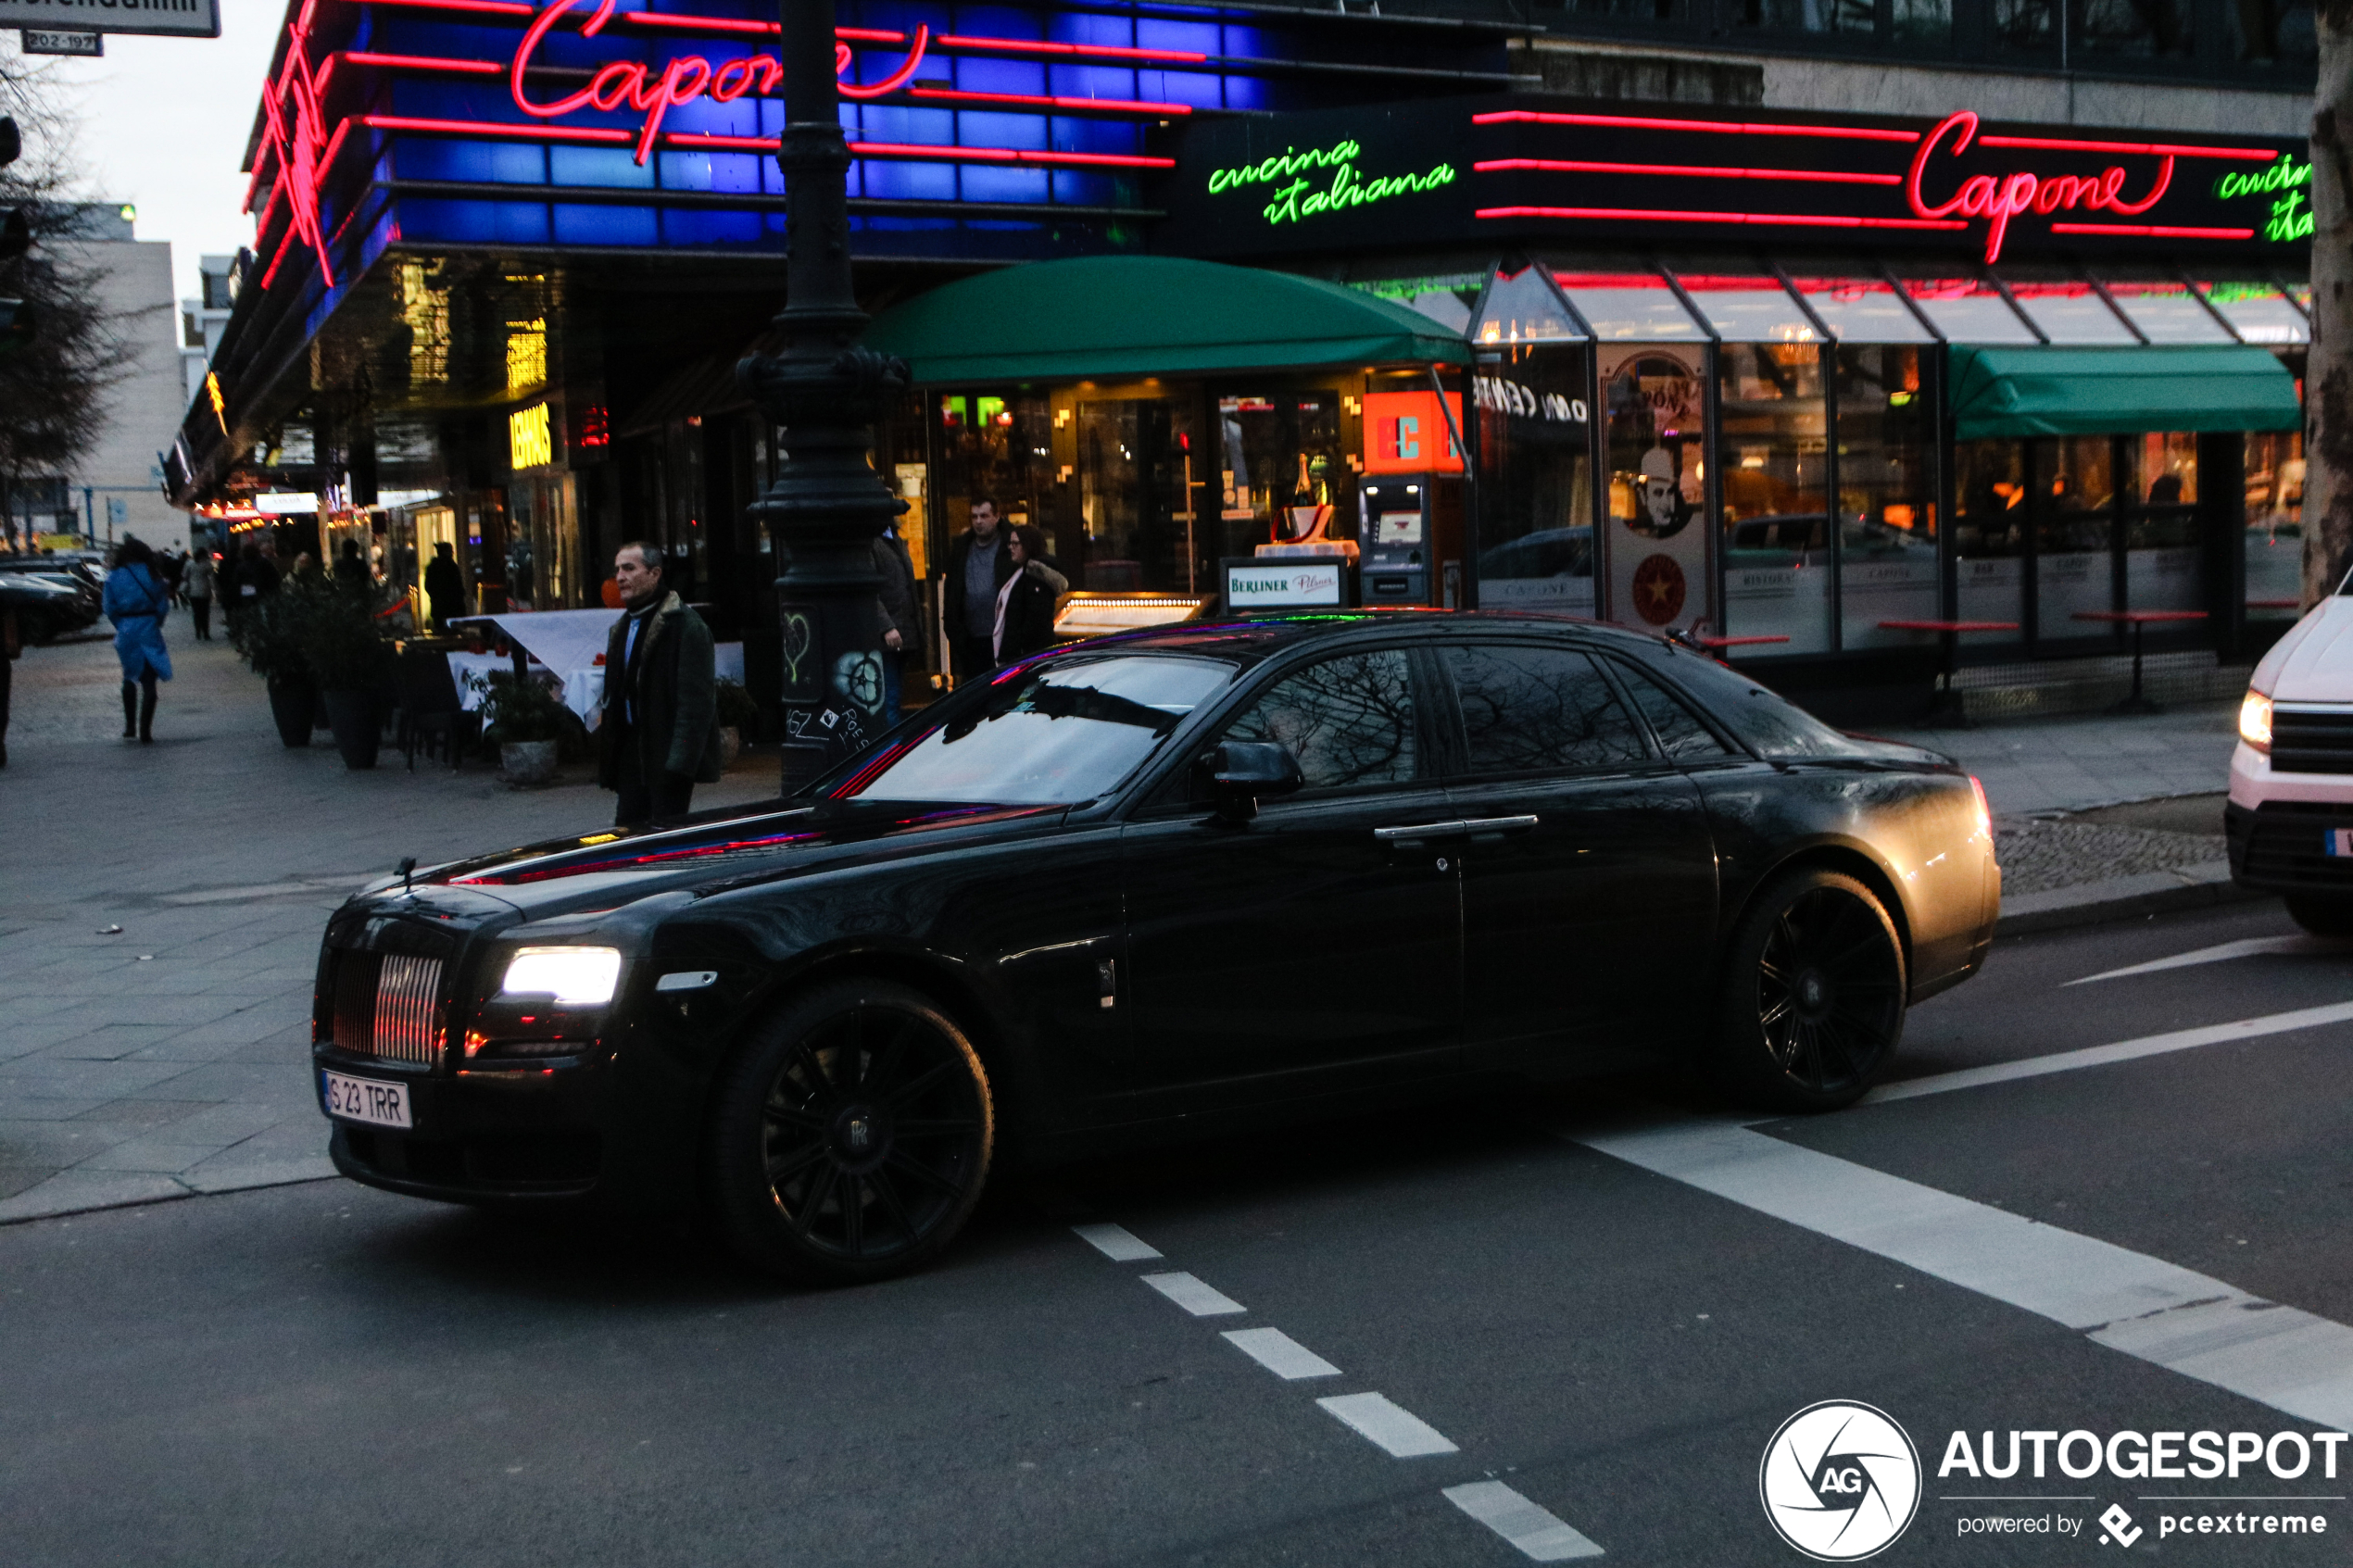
(89, 45)
(177, 18)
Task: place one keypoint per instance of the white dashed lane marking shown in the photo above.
(1279, 1353)
(2144, 1307)
(1538, 1533)
(1201, 1300)
(2122, 1050)
(1115, 1243)
(1388, 1425)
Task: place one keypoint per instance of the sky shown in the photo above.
(163, 123)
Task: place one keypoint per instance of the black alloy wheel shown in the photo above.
(853, 1135)
(2320, 913)
(1814, 989)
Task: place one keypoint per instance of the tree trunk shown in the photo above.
(2328, 377)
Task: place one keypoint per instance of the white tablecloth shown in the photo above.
(462, 665)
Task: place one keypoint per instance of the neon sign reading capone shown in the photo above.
(684, 78)
(1348, 188)
(1999, 198)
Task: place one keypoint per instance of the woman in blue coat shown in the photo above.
(136, 600)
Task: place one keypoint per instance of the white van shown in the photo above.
(2290, 818)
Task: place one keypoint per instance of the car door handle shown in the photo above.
(1419, 832)
(1495, 827)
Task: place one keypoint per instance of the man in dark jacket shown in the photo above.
(895, 607)
(978, 564)
(444, 585)
(660, 727)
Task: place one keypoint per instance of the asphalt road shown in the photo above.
(1599, 1304)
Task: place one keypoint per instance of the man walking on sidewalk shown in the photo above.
(978, 564)
(661, 728)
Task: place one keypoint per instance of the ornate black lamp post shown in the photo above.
(828, 504)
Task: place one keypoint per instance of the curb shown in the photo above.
(2125, 897)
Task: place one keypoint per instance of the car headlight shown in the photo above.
(2255, 722)
(575, 976)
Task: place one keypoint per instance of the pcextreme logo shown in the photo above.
(1839, 1481)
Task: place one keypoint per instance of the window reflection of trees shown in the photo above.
(1348, 721)
(1525, 707)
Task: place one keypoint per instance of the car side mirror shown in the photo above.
(1242, 773)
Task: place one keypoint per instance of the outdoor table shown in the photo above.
(1948, 704)
(2136, 619)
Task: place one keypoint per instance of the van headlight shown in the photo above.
(574, 976)
(2255, 722)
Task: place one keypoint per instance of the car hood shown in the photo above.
(2314, 661)
(608, 868)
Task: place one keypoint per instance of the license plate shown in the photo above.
(364, 1099)
(2340, 842)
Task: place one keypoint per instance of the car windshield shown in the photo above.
(1069, 731)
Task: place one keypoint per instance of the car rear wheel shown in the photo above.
(852, 1136)
(1814, 987)
(2321, 915)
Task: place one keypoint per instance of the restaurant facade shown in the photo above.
(1228, 299)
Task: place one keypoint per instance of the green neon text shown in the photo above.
(2286, 174)
(1282, 166)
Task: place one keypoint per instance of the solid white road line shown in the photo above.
(1279, 1353)
(1201, 1300)
(1388, 1425)
(1535, 1531)
(2252, 947)
(2194, 1324)
(1114, 1243)
(2122, 1050)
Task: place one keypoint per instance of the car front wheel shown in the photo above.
(852, 1136)
(1813, 999)
(2321, 915)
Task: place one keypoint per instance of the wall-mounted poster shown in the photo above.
(1654, 442)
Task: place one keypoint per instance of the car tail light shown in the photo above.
(2255, 722)
(1984, 811)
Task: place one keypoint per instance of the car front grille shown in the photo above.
(2287, 847)
(388, 1005)
(2306, 740)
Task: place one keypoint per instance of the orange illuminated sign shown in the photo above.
(1409, 433)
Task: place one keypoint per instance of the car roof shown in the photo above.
(1252, 639)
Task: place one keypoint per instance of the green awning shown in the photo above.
(1102, 317)
(2059, 391)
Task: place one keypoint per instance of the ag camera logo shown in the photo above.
(1839, 1481)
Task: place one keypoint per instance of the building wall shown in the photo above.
(144, 410)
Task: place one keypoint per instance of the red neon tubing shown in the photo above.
(1120, 106)
(409, 62)
(1727, 127)
(2154, 149)
(1664, 215)
(1697, 172)
(2153, 230)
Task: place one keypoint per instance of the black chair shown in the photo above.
(429, 706)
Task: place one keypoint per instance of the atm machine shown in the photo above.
(1411, 538)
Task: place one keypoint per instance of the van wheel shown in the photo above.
(2321, 915)
(1814, 988)
(853, 1136)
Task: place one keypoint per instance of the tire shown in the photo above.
(2321, 915)
(1812, 1006)
(853, 1136)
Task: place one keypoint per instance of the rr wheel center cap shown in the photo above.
(859, 1135)
(1813, 992)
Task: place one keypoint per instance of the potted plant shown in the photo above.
(528, 720)
(738, 716)
(270, 639)
(351, 662)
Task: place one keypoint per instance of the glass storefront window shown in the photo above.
(1751, 310)
(1281, 469)
(1969, 311)
(2274, 525)
(2074, 535)
(1523, 308)
(1860, 310)
(1630, 306)
(2273, 30)
(1536, 505)
(2144, 29)
(1988, 536)
(1857, 19)
(2260, 312)
(1886, 496)
(2167, 313)
(2163, 566)
(2071, 313)
(1137, 531)
(1771, 451)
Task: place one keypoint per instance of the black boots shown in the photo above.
(130, 711)
(147, 710)
(139, 711)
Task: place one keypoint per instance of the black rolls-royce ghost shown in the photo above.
(1156, 882)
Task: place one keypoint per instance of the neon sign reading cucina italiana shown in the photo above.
(1289, 168)
(1999, 198)
(632, 85)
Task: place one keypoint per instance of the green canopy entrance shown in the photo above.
(2060, 391)
(1119, 316)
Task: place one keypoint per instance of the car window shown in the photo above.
(1772, 724)
(1068, 732)
(1680, 734)
(1350, 720)
(1528, 707)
